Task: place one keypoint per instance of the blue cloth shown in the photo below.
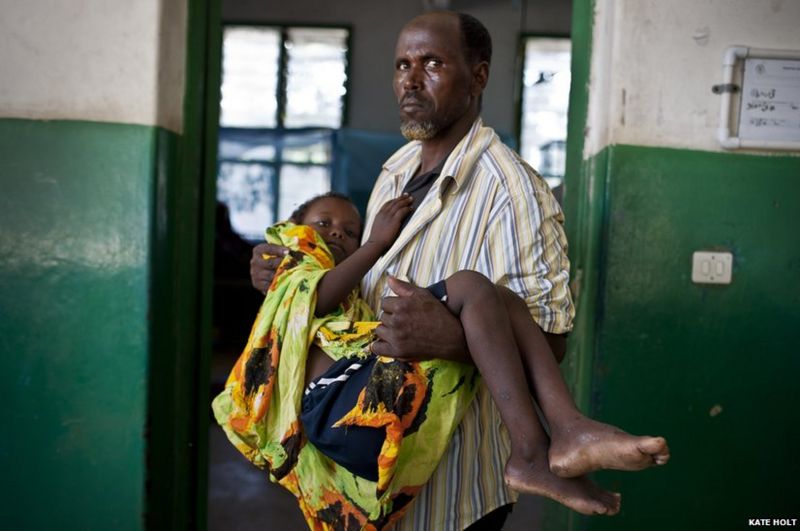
(329, 398)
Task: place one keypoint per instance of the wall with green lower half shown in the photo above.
(76, 212)
(711, 367)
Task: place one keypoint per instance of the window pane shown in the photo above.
(246, 144)
(249, 77)
(315, 77)
(308, 146)
(300, 183)
(545, 99)
(247, 189)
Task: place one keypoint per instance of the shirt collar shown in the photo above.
(458, 165)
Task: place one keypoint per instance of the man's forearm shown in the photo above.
(456, 349)
(415, 325)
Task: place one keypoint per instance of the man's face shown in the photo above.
(432, 79)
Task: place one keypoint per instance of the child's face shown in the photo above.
(339, 224)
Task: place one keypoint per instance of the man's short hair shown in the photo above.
(475, 39)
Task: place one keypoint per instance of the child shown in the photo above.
(414, 406)
(506, 346)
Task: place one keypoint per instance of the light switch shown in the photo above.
(712, 268)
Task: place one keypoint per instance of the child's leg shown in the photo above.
(578, 444)
(482, 311)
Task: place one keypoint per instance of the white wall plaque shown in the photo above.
(770, 106)
(767, 105)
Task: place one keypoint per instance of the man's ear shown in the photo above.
(480, 77)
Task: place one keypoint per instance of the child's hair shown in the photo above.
(300, 212)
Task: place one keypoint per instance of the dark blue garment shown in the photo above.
(329, 398)
(439, 290)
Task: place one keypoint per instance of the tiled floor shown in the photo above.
(241, 498)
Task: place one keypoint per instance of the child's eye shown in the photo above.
(322, 223)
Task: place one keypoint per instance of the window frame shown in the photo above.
(277, 163)
(283, 28)
(520, 84)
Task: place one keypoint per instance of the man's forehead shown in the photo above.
(433, 18)
(441, 30)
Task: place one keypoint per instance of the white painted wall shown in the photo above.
(375, 25)
(100, 60)
(654, 63)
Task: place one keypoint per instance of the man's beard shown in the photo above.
(414, 130)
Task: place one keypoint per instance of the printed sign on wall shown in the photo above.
(770, 102)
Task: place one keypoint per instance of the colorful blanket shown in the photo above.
(419, 404)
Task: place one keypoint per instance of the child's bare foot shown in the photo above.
(586, 445)
(579, 494)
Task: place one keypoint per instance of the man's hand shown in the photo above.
(416, 326)
(265, 261)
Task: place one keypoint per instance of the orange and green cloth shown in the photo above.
(421, 403)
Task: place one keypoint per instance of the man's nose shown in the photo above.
(413, 78)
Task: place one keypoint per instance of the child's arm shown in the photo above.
(340, 281)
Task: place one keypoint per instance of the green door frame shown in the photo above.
(181, 279)
(584, 207)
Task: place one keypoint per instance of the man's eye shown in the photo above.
(433, 63)
(402, 66)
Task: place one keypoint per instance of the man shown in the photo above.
(479, 207)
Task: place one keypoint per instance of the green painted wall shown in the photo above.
(712, 368)
(76, 216)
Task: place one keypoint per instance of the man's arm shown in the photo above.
(417, 326)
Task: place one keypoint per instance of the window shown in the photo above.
(283, 94)
(545, 99)
(250, 64)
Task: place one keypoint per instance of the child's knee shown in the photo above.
(470, 285)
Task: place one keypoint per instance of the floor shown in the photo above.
(241, 498)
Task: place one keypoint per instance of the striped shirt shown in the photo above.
(489, 212)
